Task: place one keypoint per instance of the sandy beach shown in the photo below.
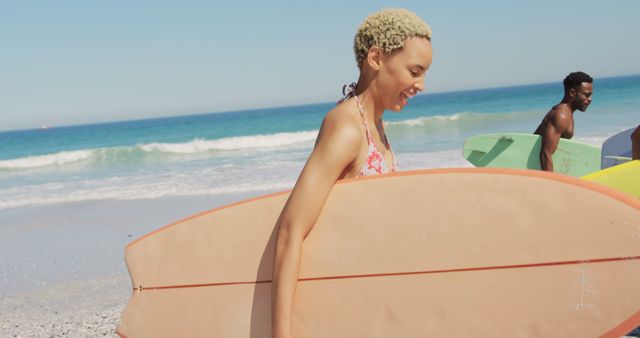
(63, 270)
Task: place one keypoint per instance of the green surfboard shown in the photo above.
(523, 151)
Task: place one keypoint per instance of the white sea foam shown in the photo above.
(60, 158)
(193, 180)
(149, 190)
(421, 121)
(461, 119)
(197, 178)
(114, 155)
(233, 143)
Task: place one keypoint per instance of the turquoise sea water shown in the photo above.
(264, 149)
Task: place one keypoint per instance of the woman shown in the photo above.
(393, 52)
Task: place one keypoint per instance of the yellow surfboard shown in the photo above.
(624, 177)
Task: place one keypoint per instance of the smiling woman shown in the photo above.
(393, 52)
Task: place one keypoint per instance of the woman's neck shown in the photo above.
(369, 99)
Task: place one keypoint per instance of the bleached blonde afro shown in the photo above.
(388, 29)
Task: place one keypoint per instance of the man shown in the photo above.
(635, 144)
(558, 123)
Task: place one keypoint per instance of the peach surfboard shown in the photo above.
(445, 252)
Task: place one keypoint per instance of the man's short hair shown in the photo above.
(575, 79)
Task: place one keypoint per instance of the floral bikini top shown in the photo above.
(375, 162)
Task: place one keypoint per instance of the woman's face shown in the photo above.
(402, 73)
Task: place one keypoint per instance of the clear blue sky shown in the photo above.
(74, 62)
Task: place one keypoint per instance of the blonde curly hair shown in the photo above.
(388, 29)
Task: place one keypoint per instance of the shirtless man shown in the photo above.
(635, 144)
(558, 123)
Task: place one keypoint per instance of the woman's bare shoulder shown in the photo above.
(344, 118)
(344, 115)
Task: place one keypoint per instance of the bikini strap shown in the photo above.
(363, 119)
(370, 138)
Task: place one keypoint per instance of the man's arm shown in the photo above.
(635, 144)
(550, 138)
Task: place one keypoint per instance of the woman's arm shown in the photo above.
(337, 146)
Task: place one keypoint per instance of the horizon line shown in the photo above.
(160, 117)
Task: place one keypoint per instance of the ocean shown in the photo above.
(263, 150)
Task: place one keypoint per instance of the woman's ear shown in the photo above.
(375, 57)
